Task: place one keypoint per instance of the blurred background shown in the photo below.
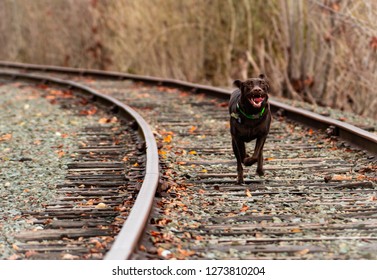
(320, 51)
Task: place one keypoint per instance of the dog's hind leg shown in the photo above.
(260, 170)
(258, 153)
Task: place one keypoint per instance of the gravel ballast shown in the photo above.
(37, 139)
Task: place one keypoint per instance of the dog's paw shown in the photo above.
(260, 172)
(249, 161)
(240, 182)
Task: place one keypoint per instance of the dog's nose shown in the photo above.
(257, 90)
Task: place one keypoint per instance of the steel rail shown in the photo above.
(133, 227)
(348, 132)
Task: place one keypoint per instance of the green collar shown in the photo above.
(250, 117)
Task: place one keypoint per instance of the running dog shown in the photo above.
(250, 118)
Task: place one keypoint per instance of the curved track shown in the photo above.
(108, 158)
(317, 200)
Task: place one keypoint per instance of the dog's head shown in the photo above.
(254, 91)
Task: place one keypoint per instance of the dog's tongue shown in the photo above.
(258, 99)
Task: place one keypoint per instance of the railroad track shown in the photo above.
(102, 182)
(316, 201)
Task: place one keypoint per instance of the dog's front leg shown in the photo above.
(260, 170)
(239, 152)
(257, 155)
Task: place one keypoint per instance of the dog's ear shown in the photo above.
(238, 83)
(263, 77)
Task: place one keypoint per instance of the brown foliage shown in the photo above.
(320, 51)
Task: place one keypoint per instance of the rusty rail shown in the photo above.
(133, 227)
(348, 132)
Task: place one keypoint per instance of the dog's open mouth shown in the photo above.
(256, 101)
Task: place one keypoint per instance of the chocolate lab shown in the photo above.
(250, 118)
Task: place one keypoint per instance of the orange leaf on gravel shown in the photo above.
(60, 153)
(341, 178)
(70, 257)
(164, 253)
(155, 233)
(29, 254)
(91, 111)
(302, 252)
(186, 253)
(248, 193)
(14, 257)
(6, 137)
(168, 138)
(244, 208)
(101, 206)
(193, 128)
(103, 120)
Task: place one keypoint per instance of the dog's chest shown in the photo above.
(249, 130)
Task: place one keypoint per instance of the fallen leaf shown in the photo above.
(164, 253)
(142, 248)
(162, 152)
(168, 138)
(60, 153)
(248, 193)
(186, 253)
(101, 206)
(244, 208)
(70, 257)
(6, 137)
(14, 257)
(89, 112)
(103, 120)
(31, 253)
(341, 178)
(164, 222)
(154, 233)
(302, 252)
(192, 129)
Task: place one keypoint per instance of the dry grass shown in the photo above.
(320, 51)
